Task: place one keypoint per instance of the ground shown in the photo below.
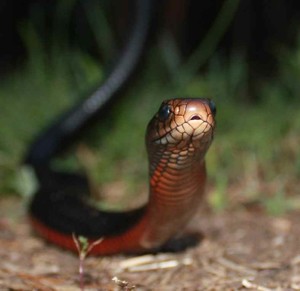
(243, 249)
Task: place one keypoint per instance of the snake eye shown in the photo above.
(164, 112)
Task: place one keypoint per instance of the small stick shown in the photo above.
(247, 284)
(123, 284)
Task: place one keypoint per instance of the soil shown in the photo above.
(243, 249)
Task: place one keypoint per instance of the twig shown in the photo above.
(247, 284)
(233, 266)
(150, 262)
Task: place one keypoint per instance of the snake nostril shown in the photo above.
(195, 117)
(212, 107)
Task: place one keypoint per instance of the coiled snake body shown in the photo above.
(177, 139)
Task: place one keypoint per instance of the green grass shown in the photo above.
(254, 157)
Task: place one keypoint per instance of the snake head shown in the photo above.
(183, 123)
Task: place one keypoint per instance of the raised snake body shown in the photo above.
(177, 139)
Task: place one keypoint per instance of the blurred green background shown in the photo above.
(255, 158)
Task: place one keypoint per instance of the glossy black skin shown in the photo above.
(62, 201)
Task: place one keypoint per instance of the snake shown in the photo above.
(177, 138)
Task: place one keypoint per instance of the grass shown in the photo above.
(254, 157)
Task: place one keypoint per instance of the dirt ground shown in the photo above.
(241, 250)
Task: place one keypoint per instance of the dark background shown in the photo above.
(256, 28)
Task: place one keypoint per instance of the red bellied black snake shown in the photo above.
(177, 139)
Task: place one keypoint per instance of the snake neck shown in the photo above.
(177, 182)
(173, 171)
